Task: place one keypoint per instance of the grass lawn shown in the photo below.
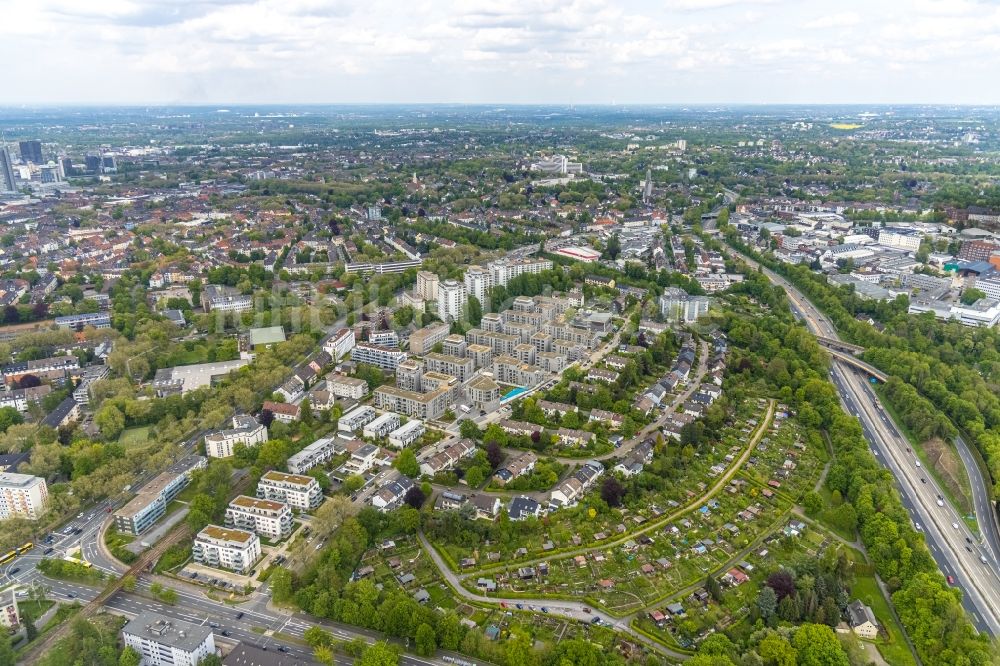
(34, 609)
(134, 436)
(894, 650)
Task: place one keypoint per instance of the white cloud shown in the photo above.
(229, 51)
(839, 20)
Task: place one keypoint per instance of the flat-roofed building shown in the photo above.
(481, 355)
(381, 357)
(226, 548)
(427, 286)
(409, 374)
(426, 406)
(423, 339)
(456, 366)
(150, 503)
(483, 392)
(340, 343)
(266, 518)
(454, 345)
(302, 493)
(509, 370)
(246, 431)
(382, 425)
(163, 641)
(406, 434)
(318, 453)
(356, 419)
(22, 496)
(343, 386)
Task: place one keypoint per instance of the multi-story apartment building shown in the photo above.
(454, 345)
(220, 298)
(678, 306)
(406, 434)
(226, 548)
(302, 493)
(357, 418)
(22, 496)
(340, 343)
(451, 300)
(900, 239)
(481, 355)
(483, 392)
(163, 641)
(150, 503)
(381, 357)
(409, 374)
(246, 430)
(381, 426)
(478, 282)
(423, 340)
(509, 370)
(456, 366)
(317, 453)
(505, 270)
(343, 386)
(499, 343)
(78, 322)
(426, 406)
(427, 286)
(266, 518)
(54, 368)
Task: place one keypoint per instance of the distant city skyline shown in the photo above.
(512, 51)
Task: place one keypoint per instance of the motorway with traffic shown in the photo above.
(969, 563)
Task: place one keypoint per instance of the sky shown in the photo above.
(500, 51)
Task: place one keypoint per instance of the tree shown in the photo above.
(713, 587)
(817, 645)
(128, 583)
(379, 654)
(306, 412)
(426, 641)
(129, 657)
(474, 310)
(30, 630)
(110, 420)
(612, 491)
(29, 381)
(210, 660)
(415, 497)
(614, 247)
(406, 463)
(475, 477)
(767, 602)
(776, 651)
(494, 454)
(971, 295)
(469, 430)
(403, 316)
(317, 636)
(8, 417)
(281, 585)
(353, 482)
(812, 502)
(450, 631)
(782, 583)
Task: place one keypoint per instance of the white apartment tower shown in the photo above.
(451, 300)
(478, 282)
(427, 286)
(22, 496)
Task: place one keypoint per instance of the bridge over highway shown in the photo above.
(836, 351)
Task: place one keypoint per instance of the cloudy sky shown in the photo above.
(500, 51)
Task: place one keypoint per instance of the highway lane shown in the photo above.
(978, 580)
(947, 543)
(983, 506)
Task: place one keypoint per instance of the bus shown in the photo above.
(75, 560)
(7, 557)
(25, 548)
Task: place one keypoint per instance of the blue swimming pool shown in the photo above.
(513, 393)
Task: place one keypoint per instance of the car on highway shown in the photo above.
(596, 620)
(968, 539)
(545, 609)
(982, 558)
(923, 480)
(519, 606)
(47, 550)
(13, 571)
(950, 579)
(239, 616)
(918, 463)
(917, 527)
(940, 502)
(955, 525)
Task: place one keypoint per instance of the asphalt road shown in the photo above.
(951, 543)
